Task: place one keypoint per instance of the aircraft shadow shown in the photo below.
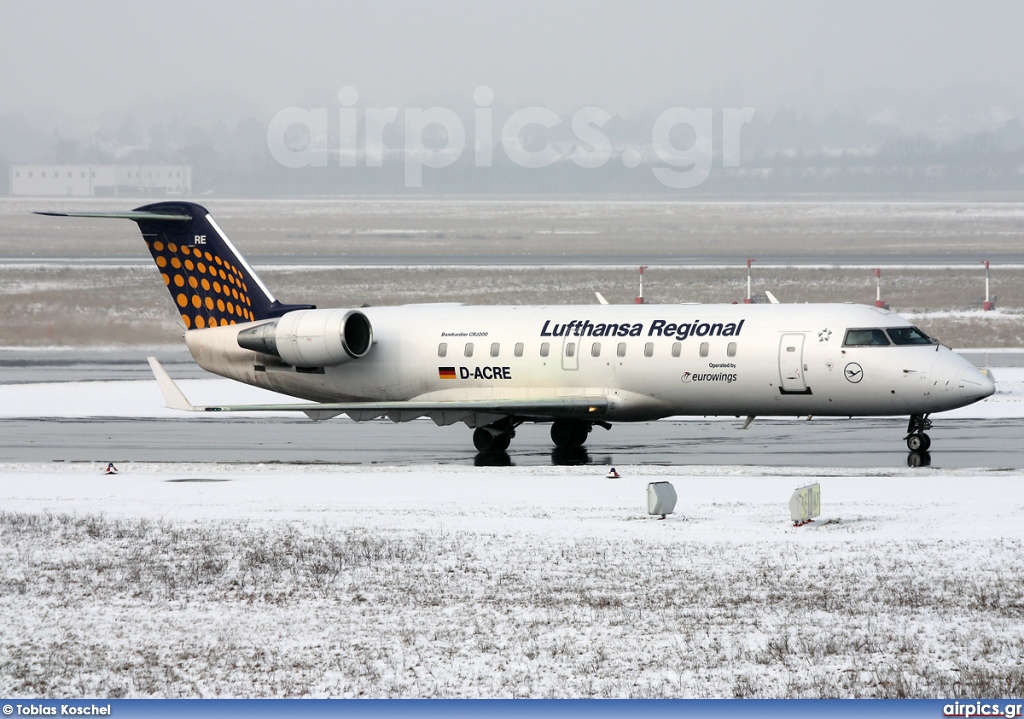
(493, 459)
(919, 459)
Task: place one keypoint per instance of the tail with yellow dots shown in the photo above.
(210, 282)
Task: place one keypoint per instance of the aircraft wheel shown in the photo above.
(570, 432)
(919, 442)
(484, 441)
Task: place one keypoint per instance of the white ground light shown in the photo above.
(259, 580)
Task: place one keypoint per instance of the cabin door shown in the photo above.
(791, 363)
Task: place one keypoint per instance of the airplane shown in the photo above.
(574, 366)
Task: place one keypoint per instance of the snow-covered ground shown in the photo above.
(327, 580)
(200, 580)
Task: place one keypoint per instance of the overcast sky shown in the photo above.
(259, 57)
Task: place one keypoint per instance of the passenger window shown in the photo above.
(649, 349)
(731, 349)
(570, 349)
(704, 347)
(865, 338)
(545, 347)
(677, 348)
(519, 349)
(469, 349)
(495, 349)
(621, 351)
(595, 349)
(442, 349)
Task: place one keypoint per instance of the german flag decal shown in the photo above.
(446, 373)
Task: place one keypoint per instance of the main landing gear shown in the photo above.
(565, 433)
(570, 432)
(495, 438)
(486, 441)
(917, 440)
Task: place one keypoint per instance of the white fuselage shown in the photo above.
(650, 361)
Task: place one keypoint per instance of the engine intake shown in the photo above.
(312, 338)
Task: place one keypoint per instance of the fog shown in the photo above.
(101, 81)
(624, 57)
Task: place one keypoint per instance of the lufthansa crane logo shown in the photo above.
(853, 372)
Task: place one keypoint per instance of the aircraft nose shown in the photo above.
(958, 380)
(975, 384)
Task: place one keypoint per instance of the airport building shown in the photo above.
(86, 180)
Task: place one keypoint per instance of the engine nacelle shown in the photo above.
(312, 338)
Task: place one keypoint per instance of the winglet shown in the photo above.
(173, 396)
(771, 297)
(600, 298)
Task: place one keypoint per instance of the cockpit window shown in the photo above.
(909, 336)
(865, 338)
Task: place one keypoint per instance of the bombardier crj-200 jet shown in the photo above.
(577, 367)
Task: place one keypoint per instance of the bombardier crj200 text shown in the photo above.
(494, 368)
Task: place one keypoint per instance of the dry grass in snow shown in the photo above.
(133, 607)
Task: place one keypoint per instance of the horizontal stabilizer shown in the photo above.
(134, 215)
(210, 282)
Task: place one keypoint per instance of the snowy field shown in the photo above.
(99, 305)
(209, 580)
(446, 228)
(340, 581)
(64, 281)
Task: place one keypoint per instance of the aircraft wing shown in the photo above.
(441, 412)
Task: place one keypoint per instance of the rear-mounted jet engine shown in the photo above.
(312, 338)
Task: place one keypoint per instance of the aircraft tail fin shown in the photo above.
(209, 280)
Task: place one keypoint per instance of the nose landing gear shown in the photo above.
(917, 440)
